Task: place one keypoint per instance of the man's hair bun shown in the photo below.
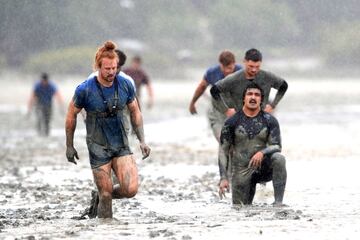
(109, 46)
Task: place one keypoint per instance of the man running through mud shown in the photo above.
(216, 116)
(104, 98)
(122, 59)
(229, 90)
(254, 136)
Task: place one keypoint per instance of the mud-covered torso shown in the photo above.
(233, 86)
(249, 135)
(103, 126)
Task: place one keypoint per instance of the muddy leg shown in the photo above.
(126, 171)
(252, 192)
(279, 176)
(47, 117)
(242, 189)
(102, 177)
(39, 120)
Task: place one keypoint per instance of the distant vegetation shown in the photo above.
(62, 36)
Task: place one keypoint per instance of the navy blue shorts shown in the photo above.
(100, 155)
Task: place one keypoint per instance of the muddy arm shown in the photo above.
(274, 138)
(226, 141)
(137, 124)
(70, 126)
(70, 123)
(199, 91)
(280, 93)
(136, 120)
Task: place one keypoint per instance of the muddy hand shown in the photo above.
(223, 186)
(71, 154)
(145, 150)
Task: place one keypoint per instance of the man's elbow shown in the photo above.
(284, 86)
(215, 92)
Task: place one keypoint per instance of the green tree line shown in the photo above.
(34, 29)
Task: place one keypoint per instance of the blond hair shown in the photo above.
(107, 50)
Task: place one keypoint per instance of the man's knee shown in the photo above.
(130, 191)
(279, 170)
(278, 160)
(126, 190)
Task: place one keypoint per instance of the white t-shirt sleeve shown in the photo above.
(93, 75)
(124, 75)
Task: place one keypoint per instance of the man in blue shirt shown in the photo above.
(217, 113)
(42, 95)
(104, 98)
(216, 116)
(122, 59)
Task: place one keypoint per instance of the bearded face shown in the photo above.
(108, 68)
(252, 99)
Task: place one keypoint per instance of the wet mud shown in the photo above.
(41, 194)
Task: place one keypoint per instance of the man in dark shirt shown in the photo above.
(141, 78)
(252, 136)
(232, 87)
(216, 116)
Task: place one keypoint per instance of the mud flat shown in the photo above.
(41, 193)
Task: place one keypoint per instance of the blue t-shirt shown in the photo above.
(214, 74)
(89, 96)
(44, 93)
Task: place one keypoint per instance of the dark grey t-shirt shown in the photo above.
(232, 87)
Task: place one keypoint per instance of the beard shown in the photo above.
(252, 104)
(109, 77)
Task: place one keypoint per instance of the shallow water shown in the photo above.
(177, 199)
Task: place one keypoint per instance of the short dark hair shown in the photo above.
(122, 57)
(253, 55)
(44, 76)
(253, 85)
(137, 59)
(226, 58)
